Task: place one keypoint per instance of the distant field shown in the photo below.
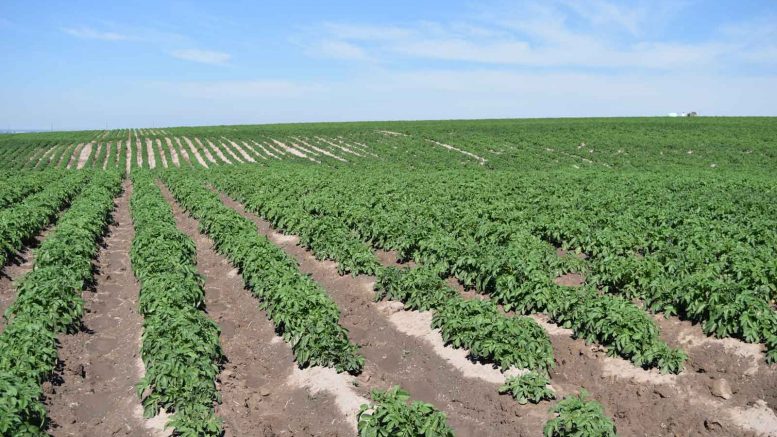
(270, 279)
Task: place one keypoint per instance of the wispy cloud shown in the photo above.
(202, 56)
(90, 33)
(554, 33)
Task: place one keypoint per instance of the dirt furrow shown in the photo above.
(97, 152)
(161, 152)
(226, 146)
(266, 148)
(138, 151)
(254, 399)
(129, 156)
(720, 392)
(339, 146)
(83, 156)
(73, 158)
(406, 356)
(173, 152)
(319, 150)
(456, 149)
(184, 153)
(195, 152)
(240, 150)
(107, 155)
(18, 266)
(101, 363)
(218, 152)
(150, 152)
(206, 151)
(253, 150)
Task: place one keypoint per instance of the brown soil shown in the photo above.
(195, 152)
(107, 155)
(15, 268)
(254, 399)
(645, 402)
(473, 405)
(173, 152)
(100, 364)
(183, 151)
(206, 151)
(161, 152)
(73, 158)
(150, 153)
(83, 156)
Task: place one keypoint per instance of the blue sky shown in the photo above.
(91, 64)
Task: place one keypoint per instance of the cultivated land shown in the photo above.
(494, 277)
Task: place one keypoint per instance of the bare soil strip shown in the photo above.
(292, 150)
(161, 152)
(129, 156)
(464, 152)
(83, 156)
(226, 146)
(183, 151)
(100, 363)
(253, 150)
(150, 152)
(322, 151)
(364, 148)
(73, 156)
(267, 147)
(195, 152)
(65, 157)
(303, 149)
(339, 146)
(173, 152)
(240, 150)
(107, 155)
(96, 154)
(47, 156)
(218, 152)
(388, 132)
(17, 267)
(206, 151)
(265, 150)
(645, 402)
(254, 399)
(472, 404)
(138, 151)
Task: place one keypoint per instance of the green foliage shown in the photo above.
(391, 415)
(478, 326)
(21, 221)
(529, 387)
(579, 417)
(180, 344)
(49, 302)
(302, 312)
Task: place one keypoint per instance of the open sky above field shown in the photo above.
(92, 64)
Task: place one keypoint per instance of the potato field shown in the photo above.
(556, 277)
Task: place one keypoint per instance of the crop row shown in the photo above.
(475, 325)
(180, 344)
(22, 185)
(302, 312)
(49, 302)
(24, 220)
(504, 341)
(519, 276)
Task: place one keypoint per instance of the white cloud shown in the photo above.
(202, 56)
(554, 33)
(89, 33)
(339, 50)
